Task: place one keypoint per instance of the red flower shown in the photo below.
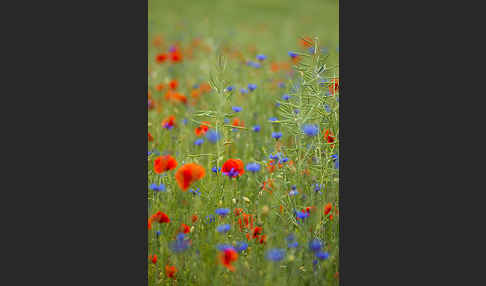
(202, 129)
(306, 42)
(176, 56)
(327, 209)
(153, 258)
(256, 232)
(263, 239)
(238, 211)
(227, 257)
(173, 84)
(238, 122)
(164, 163)
(233, 168)
(159, 87)
(334, 87)
(160, 58)
(328, 136)
(169, 122)
(188, 174)
(185, 228)
(170, 271)
(150, 138)
(159, 217)
(194, 218)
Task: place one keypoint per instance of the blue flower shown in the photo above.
(261, 57)
(232, 173)
(223, 228)
(223, 247)
(327, 108)
(229, 88)
(184, 121)
(252, 86)
(155, 187)
(213, 136)
(195, 192)
(296, 111)
(315, 245)
(180, 244)
(293, 244)
(244, 90)
(149, 153)
(256, 128)
(284, 160)
(292, 55)
(277, 135)
(198, 142)
(253, 64)
(310, 129)
(276, 156)
(335, 158)
(215, 170)
(322, 255)
(275, 254)
(286, 97)
(253, 167)
(293, 193)
(241, 246)
(273, 119)
(237, 108)
(318, 187)
(277, 104)
(210, 218)
(157, 233)
(293, 187)
(302, 215)
(222, 211)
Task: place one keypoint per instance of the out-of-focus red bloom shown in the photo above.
(307, 43)
(238, 211)
(327, 208)
(205, 87)
(164, 164)
(334, 87)
(194, 218)
(202, 129)
(160, 58)
(247, 220)
(233, 168)
(263, 239)
(256, 232)
(238, 122)
(170, 271)
(176, 56)
(281, 209)
(188, 174)
(173, 84)
(160, 87)
(227, 257)
(331, 217)
(195, 93)
(328, 136)
(185, 228)
(169, 122)
(160, 217)
(153, 258)
(150, 138)
(158, 41)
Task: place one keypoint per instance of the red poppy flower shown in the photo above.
(170, 271)
(256, 232)
(159, 87)
(176, 56)
(194, 218)
(153, 258)
(307, 42)
(334, 87)
(150, 138)
(150, 223)
(328, 136)
(202, 129)
(238, 122)
(233, 168)
(185, 228)
(160, 58)
(173, 84)
(159, 217)
(188, 174)
(205, 87)
(238, 211)
(227, 257)
(331, 217)
(164, 163)
(169, 122)
(263, 239)
(327, 209)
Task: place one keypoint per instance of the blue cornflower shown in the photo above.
(229, 88)
(253, 167)
(286, 97)
(195, 192)
(232, 173)
(241, 246)
(180, 244)
(261, 57)
(335, 158)
(315, 245)
(223, 247)
(256, 128)
(222, 211)
(223, 228)
(226, 120)
(293, 187)
(215, 170)
(277, 135)
(293, 244)
(310, 129)
(157, 233)
(275, 254)
(318, 187)
(293, 193)
(296, 111)
(210, 218)
(292, 55)
(237, 108)
(277, 104)
(212, 136)
(327, 108)
(184, 121)
(273, 119)
(198, 142)
(159, 188)
(322, 255)
(252, 86)
(302, 215)
(172, 49)
(244, 90)
(284, 160)
(276, 156)
(253, 64)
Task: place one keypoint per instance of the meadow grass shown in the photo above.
(216, 39)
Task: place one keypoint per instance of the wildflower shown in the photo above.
(318, 187)
(160, 58)
(302, 215)
(153, 258)
(169, 123)
(238, 122)
(157, 233)
(233, 168)
(310, 130)
(293, 55)
(198, 142)
(322, 255)
(286, 97)
(334, 87)
(327, 108)
(227, 257)
(202, 129)
(291, 242)
(284, 160)
(229, 88)
(164, 163)
(277, 135)
(328, 136)
(170, 271)
(256, 128)
(293, 193)
(237, 108)
(273, 119)
(210, 218)
(327, 208)
(184, 121)
(223, 247)
(277, 104)
(315, 245)
(159, 217)
(296, 111)
(215, 169)
(253, 167)
(244, 91)
(238, 211)
(223, 228)
(252, 86)
(157, 188)
(195, 192)
(275, 254)
(188, 174)
(180, 244)
(185, 228)
(256, 232)
(261, 57)
(212, 136)
(336, 161)
(173, 84)
(222, 212)
(194, 218)
(241, 246)
(150, 138)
